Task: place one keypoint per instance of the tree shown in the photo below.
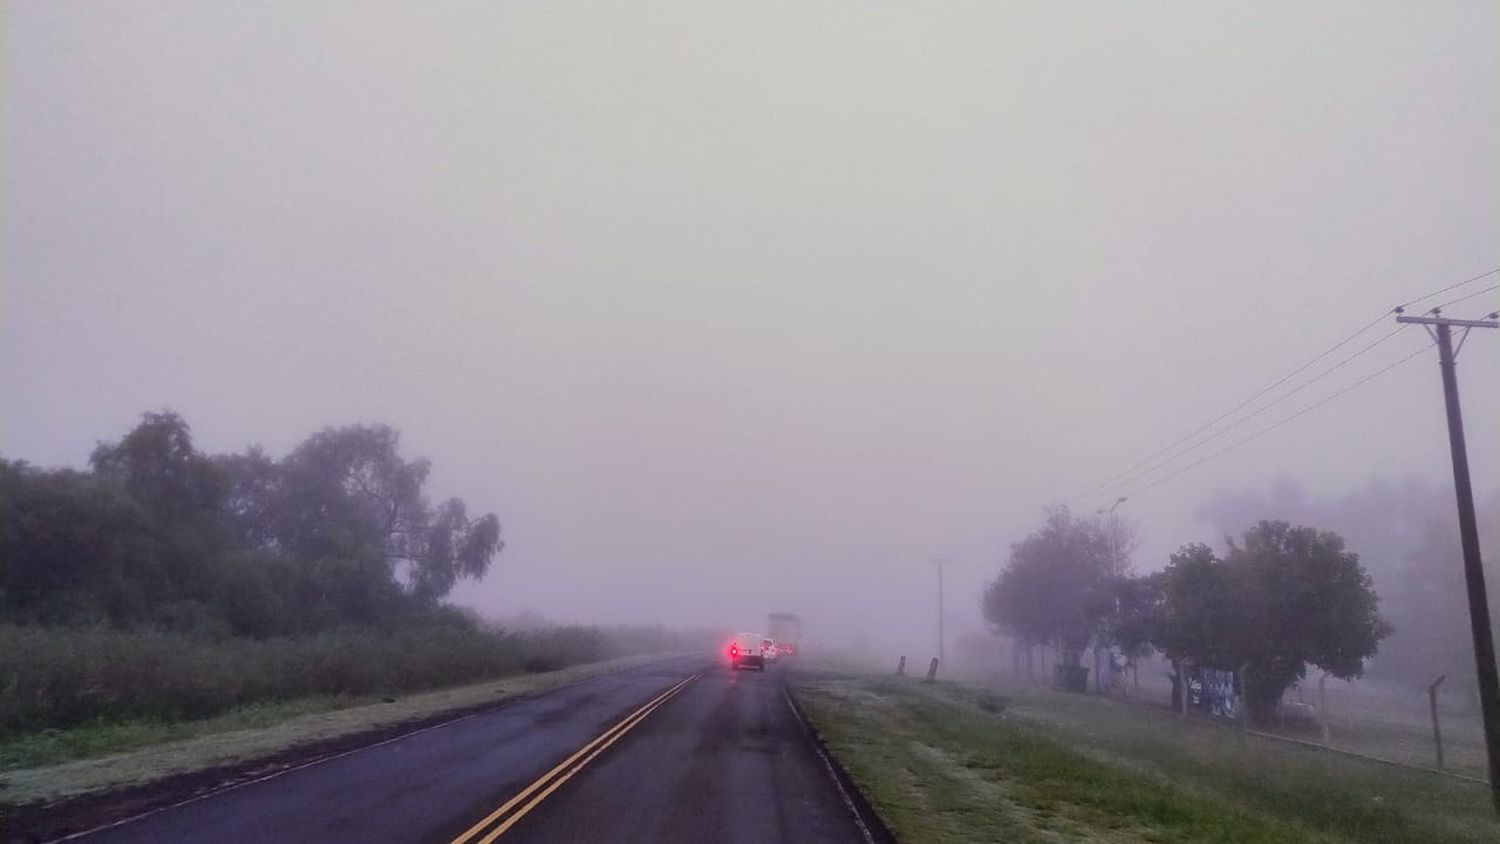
(73, 549)
(1285, 599)
(453, 546)
(1137, 603)
(180, 494)
(1407, 533)
(161, 535)
(1058, 584)
(158, 467)
(346, 492)
(253, 489)
(1316, 605)
(1201, 614)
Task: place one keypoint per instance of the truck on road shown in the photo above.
(786, 630)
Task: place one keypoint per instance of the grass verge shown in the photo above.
(105, 738)
(954, 763)
(155, 751)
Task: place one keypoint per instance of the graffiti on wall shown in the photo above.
(1211, 690)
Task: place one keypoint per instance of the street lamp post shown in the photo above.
(1111, 513)
(1110, 536)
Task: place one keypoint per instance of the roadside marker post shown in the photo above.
(1323, 707)
(1437, 731)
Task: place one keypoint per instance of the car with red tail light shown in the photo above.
(746, 651)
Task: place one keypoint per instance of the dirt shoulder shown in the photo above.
(42, 803)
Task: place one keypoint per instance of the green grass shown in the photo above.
(102, 738)
(87, 681)
(58, 678)
(1047, 766)
(1409, 740)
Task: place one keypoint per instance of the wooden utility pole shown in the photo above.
(1468, 532)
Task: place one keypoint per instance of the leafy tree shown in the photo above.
(347, 492)
(1408, 535)
(453, 546)
(1202, 611)
(1130, 625)
(158, 466)
(1316, 605)
(73, 549)
(180, 494)
(252, 493)
(1285, 599)
(258, 597)
(1058, 585)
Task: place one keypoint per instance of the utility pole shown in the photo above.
(1468, 530)
(942, 638)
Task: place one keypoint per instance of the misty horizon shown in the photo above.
(728, 311)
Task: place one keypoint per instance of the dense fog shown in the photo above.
(726, 310)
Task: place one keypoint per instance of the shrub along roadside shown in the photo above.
(55, 678)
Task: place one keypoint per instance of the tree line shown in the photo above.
(156, 534)
(1277, 601)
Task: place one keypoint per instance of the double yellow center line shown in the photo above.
(512, 810)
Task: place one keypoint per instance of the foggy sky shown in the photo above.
(731, 308)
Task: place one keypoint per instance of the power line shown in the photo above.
(1258, 434)
(1453, 286)
(1131, 471)
(1262, 409)
(1110, 481)
(1470, 296)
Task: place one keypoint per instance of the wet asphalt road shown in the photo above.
(722, 759)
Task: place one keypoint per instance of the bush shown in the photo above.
(54, 677)
(553, 648)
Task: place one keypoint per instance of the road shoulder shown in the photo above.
(871, 824)
(96, 791)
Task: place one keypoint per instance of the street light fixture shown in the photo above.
(1110, 513)
(1118, 501)
(1112, 529)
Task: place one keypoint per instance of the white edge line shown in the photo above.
(828, 765)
